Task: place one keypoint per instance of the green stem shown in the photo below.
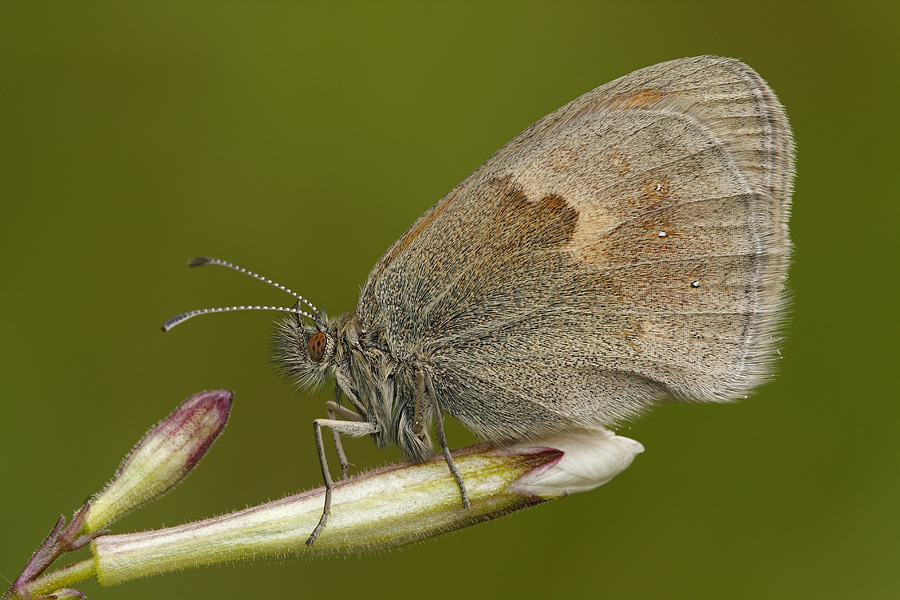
(61, 578)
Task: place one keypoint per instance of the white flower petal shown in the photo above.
(590, 459)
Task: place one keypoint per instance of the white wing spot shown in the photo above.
(695, 284)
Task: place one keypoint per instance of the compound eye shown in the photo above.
(317, 345)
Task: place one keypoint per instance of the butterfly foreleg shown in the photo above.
(352, 428)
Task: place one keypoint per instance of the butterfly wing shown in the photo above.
(630, 247)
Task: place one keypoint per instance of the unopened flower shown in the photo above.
(383, 508)
(164, 456)
(590, 459)
(64, 594)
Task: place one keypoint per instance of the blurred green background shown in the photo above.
(300, 140)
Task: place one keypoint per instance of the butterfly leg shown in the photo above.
(353, 428)
(442, 439)
(345, 413)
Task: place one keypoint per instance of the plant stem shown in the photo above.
(60, 578)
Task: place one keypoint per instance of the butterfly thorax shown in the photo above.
(380, 386)
(384, 387)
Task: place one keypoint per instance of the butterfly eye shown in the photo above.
(317, 345)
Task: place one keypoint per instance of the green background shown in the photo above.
(300, 141)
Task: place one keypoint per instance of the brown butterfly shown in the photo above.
(630, 248)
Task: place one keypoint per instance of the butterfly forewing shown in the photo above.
(630, 247)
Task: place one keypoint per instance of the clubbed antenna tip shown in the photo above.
(205, 260)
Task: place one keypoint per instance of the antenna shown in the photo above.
(199, 262)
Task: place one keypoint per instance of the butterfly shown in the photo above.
(627, 249)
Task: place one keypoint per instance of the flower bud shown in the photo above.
(164, 456)
(590, 459)
(64, 594)
(383, 508)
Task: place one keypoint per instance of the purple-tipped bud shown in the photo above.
(164, 456)
(64, 594)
